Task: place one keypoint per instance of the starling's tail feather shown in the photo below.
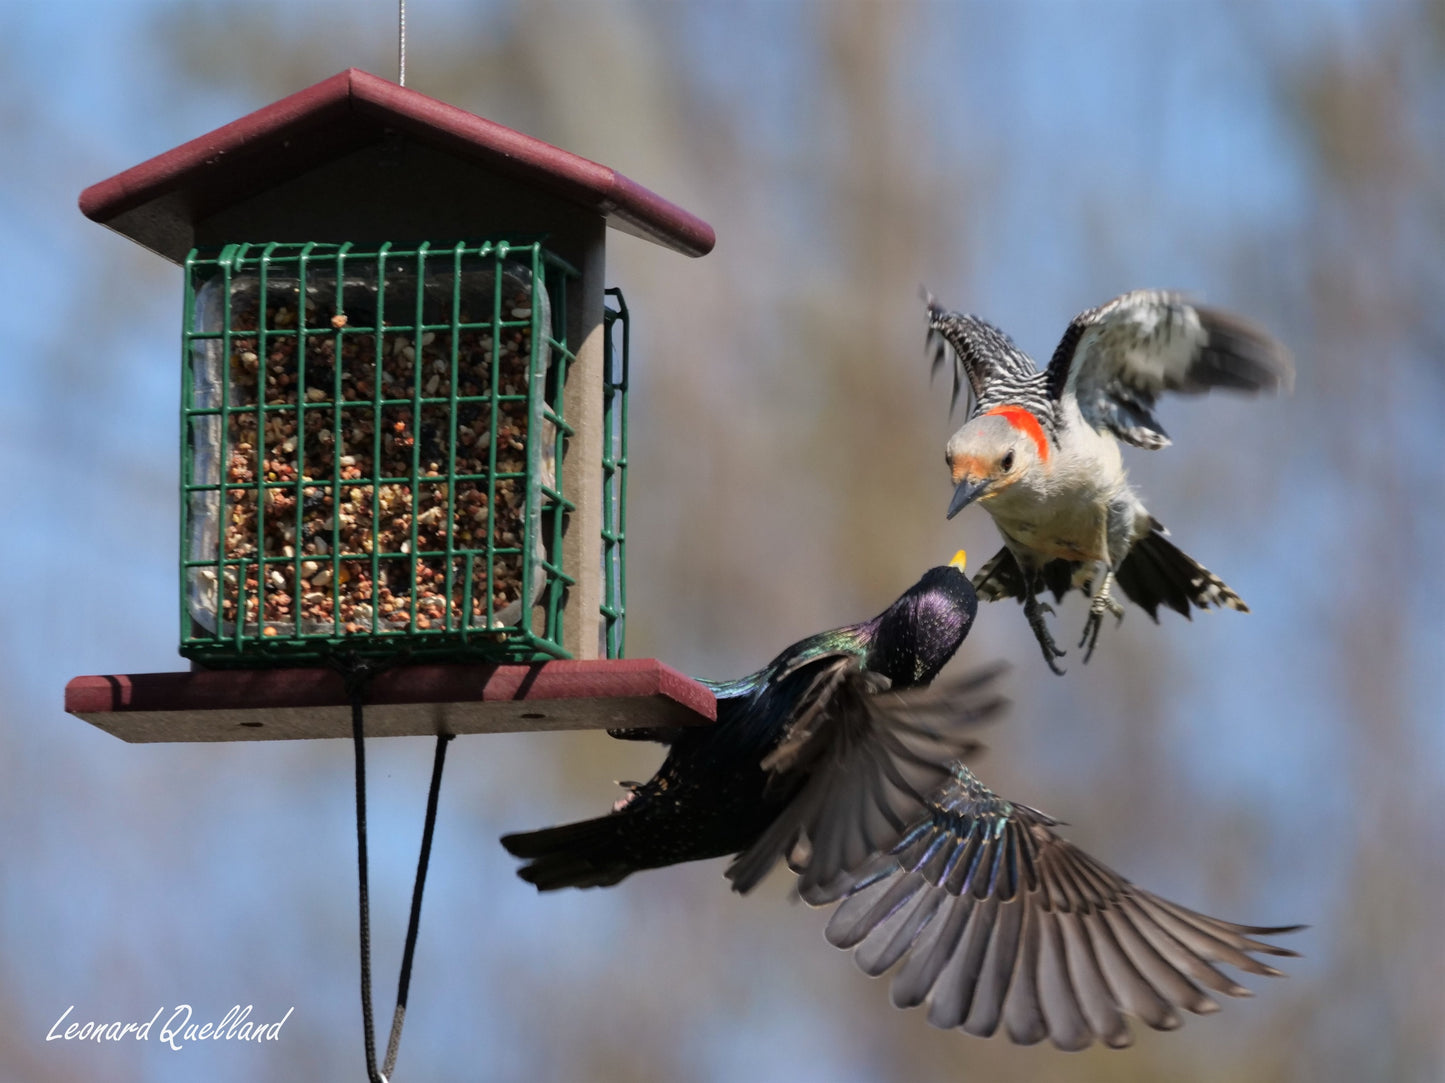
(584, 854)
(1156, 572)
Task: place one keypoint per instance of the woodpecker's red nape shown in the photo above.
(1026, 423)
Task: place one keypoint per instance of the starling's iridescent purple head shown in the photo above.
(917, 635)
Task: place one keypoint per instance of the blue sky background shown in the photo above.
(1026, 161)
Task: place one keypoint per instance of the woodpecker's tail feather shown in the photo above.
(584, 854)
(1156, 572)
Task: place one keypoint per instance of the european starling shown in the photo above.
(838, 757)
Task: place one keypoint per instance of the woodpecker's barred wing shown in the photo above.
(1000, 922)
(979, 352)
(872, 757)
(1000, 577)
(1117, 359)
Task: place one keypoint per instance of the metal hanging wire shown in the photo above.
(401, 43)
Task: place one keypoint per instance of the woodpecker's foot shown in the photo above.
(1034, 610)
(1103, 603)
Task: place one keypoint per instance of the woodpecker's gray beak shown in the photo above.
(967, 492)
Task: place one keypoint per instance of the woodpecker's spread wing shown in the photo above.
(1117, 359)
(1000, 922)
(979, 352)
(871, 757)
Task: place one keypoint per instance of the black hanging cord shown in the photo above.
(358, 740)
(399, 1017)
(357, 673)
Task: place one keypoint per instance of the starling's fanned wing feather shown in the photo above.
(872, 756)
(997, 921)
(977, 351)
(1118, 358)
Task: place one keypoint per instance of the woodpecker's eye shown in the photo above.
(1008, 462)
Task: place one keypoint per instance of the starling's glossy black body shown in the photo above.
(714, 795)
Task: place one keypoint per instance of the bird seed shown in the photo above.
(370, 462)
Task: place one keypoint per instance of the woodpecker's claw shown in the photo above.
(1034, 610)
(1102, 603)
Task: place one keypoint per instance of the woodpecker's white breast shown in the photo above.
(1061, 508)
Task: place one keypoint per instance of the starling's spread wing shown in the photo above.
(1000, 922)
(871, 756)
(978, 351)
(1119, 357)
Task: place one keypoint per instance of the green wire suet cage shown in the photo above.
(372, 441)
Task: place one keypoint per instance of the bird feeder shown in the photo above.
(403, 418)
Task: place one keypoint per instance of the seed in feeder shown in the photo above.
(336, 447)
(338, 321)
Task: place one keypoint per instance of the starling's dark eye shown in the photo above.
(1008, 462)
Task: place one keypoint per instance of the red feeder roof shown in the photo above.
(156, 203)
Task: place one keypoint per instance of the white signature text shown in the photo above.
(177, 1031)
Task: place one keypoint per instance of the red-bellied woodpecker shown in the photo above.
(1040, 449)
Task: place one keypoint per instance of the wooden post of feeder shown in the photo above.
(582, 546)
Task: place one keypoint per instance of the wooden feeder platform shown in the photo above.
(405, 701)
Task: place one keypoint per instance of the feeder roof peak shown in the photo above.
(158, 202)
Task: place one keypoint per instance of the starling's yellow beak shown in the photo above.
(960, 560)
